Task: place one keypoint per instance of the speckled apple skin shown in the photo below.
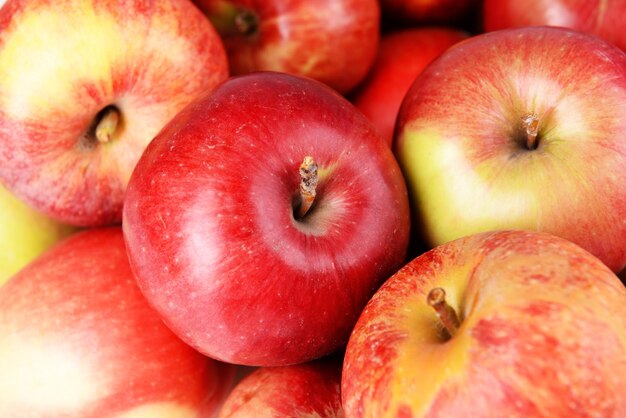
(543, 334)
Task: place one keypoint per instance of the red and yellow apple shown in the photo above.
(217, 235)
(520, 129)
(498, 324)
(84, 86)
(78, 339)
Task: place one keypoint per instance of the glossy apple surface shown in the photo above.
(428, 11)
(542, 334)
(333, 41)
(402, 55)
(604, 18)
(213, 238)
(64, 65)
(78, 339)
(463, 140)
(24, 234)
(303, 390)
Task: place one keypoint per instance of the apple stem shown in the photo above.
(246, 22)
(308, 185)
(446, 313)
(107, 124)
(530, 123)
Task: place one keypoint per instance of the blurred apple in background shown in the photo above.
(604, 18)
(303, 390)
(429, 11)
(24, 234)
(333, 41)
(520, 129)
(504, 324)
(84, 86)
(78, 339)
(402, 55)
(216, 231)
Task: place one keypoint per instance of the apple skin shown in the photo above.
(542, 334)
(210, 227)
(78, 339)
(402, 55)
(26, 233)
(601, 18)
(332, 41)
(303, 390)
(430, 11)
(147, 59)
(461, 144)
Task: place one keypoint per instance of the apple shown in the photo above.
(84, 86)
(302, 390)
(602, 18)
(246, 257)
(429, 11)
(402, 55)
(333, 41)
(520, 129)
(78, 339)
(25, 234)
(497, 324)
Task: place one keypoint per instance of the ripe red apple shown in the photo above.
(429, 11)
(520, 129)
(302, 390)
(402, 55)
(501, 324)
(602, 18)
(333, 41)
(216, 231)
(84, 86)
(78, 339)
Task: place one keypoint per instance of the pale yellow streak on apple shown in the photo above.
(28, 47)
(55, 377)
(160, 410)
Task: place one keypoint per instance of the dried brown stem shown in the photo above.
(308, 185)
(530, 123)
(446, 313)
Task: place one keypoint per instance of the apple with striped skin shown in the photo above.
(520, 129)
(402, 55)
(78, 339)
(302, 390)
(216, 231)
(507, 324)
(332, 41)
(603, 18)
(26, 233)
(84, 86)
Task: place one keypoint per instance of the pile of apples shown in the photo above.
(312, 208)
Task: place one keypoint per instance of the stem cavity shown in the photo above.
(308, 185)
(530, 125)
(446, 313)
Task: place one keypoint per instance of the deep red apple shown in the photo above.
(220, 240)
(78, 339)
(402, 55)
(303, 390)
(504, 324)
(520, 129)
(429, 11)
(84, 86)
(604, 18)
(333, 41)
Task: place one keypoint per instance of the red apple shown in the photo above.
(78, 339)
(519, 324)
(604, 18)
(428, 11)
(520, 129)
(303, 390)
(216, 231)
(402, 55)
(84, 86)
(333, 41)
